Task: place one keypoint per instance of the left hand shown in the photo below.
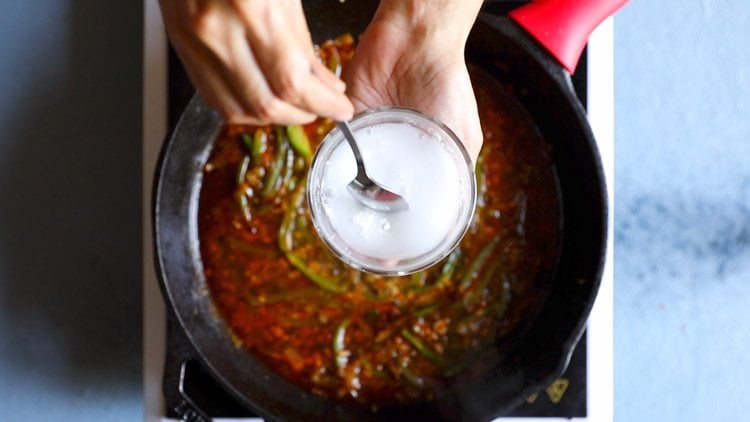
(395, 65)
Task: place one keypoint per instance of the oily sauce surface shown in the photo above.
(340, 333)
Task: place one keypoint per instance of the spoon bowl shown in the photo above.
(365, 190)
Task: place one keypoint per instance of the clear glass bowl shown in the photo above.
(416, 244)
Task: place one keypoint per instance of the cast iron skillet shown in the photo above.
(496, 383)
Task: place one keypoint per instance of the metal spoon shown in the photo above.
(365, 190)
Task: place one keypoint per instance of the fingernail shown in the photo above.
(343, 116)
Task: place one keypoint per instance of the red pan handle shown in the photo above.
(563, 26)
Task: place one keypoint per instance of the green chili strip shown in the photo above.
(316, 278)
(486, 278)
(500, 306)
(340, 354)
(300, 221)
(416, 278)
(271, 182)
(300, 163)
(426, 310)
(449, 267)
(286, 243)
(478, 262)
(248, 141)
(481, 178)
(383, 335)
(292, 183)
(287, 223)
(416, 281)
(242, 169)
(286, 240)
(251, 250)
(386, 333)
(334, 62)
(244, 206)
(421, 347)
(259, 144)
(446, 273)
(284, 296)
(495, 309)
(299, 140)
(286, 180)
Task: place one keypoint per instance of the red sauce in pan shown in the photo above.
(340, 333)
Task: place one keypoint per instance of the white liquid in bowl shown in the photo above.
(425, 166)
(409, 162)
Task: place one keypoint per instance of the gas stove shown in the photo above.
(175, 380)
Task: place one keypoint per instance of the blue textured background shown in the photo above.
(682, 211)
(70, 321)
(70, 210)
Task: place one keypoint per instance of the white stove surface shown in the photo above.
(601, 117)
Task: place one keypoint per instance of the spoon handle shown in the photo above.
(361, 173)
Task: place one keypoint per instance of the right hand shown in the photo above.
(253, 60)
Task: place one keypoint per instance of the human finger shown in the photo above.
(253, 90)
(327, 77)
(282, 49)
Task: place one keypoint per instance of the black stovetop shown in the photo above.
(191, 393)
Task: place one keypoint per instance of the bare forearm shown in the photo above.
(444, 22)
